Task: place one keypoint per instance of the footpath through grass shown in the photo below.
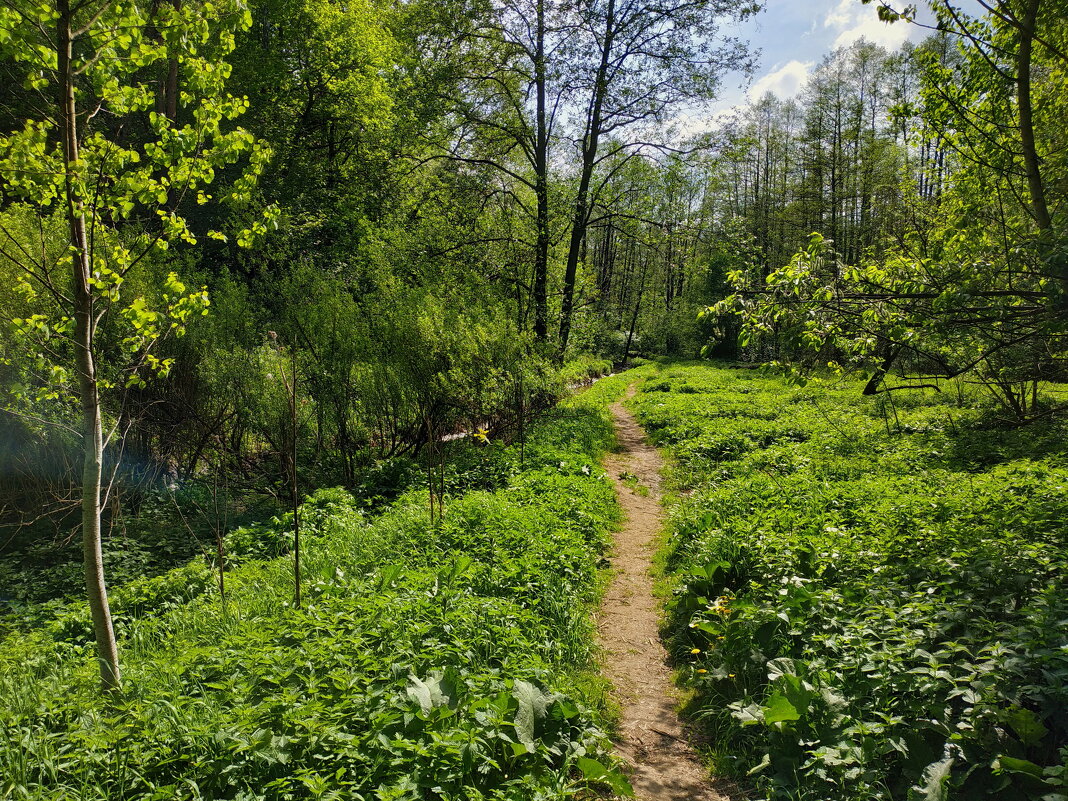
(430, 661)
(869, 594)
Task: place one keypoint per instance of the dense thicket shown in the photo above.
(378, 279)
(428, 228)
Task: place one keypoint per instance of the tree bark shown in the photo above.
(292, 388)
(88, 387)
(1026, 110)
(637, 308)
(589, 158)
(1032, 161)
(541, 185)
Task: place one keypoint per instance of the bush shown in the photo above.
(584, 369)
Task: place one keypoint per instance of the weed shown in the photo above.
(864, 608)
(447, 660)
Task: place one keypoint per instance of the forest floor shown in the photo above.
(652, 739)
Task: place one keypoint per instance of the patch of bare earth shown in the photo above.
(663, 765)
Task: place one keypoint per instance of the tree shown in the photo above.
(969, 280)
(993, 114)
(119, 176)
(548, 79)
(320, 76)
(511, 72)
(632, 64)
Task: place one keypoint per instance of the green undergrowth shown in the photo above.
(583, 369)
(606, 390)
(158, 527)
(869, 593)
(444, 660)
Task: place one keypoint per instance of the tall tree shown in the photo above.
(633, 64)
(117, 172)
(506, 116)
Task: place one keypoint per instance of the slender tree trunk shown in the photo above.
(541, 185)
(172, 89)
(219, 527)
(604, 268)
(293, 480)
(1032, 161)
(624, 285)
(167, 101)
(589, 158)
(1027, 129)
(88, 389)
(637, 308)
(167, 98)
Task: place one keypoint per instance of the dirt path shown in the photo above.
(664, 767)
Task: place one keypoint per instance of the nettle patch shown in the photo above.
(444, 659)
(867, 610)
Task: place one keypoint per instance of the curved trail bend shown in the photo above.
(653, 741)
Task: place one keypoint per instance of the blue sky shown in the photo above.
(793, 36)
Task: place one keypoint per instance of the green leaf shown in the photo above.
(749, 715)
(1026, 773)
(1013, 765)
(426, 693)
(934, 784)
(759, 767)
(778, 709)
(532, 705)
(783, 666)
(1026, 724)
(594, 771)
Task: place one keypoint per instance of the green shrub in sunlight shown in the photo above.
(584, 369)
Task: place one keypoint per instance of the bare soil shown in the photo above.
(652, 740)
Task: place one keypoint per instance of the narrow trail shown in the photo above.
(653, 741)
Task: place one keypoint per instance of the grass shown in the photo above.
(449, 660)
(877, 592)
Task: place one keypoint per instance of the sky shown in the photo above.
(792, 37)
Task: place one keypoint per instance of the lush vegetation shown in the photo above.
(447, 659)
(290, 291)
(941, 258)
(868, 594)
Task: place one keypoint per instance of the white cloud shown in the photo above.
(784, 82)
(875, 31)
(841, 16)
(687, 125)
(854, 22)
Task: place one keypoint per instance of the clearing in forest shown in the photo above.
(652, 740)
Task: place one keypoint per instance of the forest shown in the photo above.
(372, 370)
